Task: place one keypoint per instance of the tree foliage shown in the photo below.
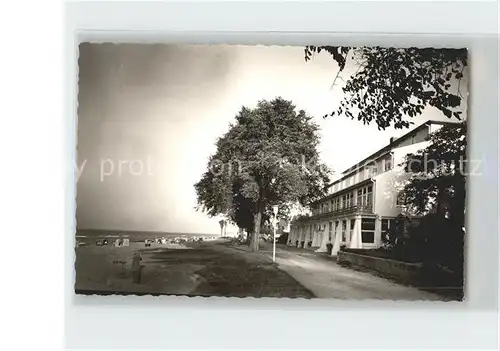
(268, 157)
(392, 84)
(435, 190)
(438, 173)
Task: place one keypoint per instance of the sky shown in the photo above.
(149, 114)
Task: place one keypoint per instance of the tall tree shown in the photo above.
(392, 84)
(268, 157)
(438, 174)
(437, 190)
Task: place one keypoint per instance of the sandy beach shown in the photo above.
(109, 268)
(195, 269)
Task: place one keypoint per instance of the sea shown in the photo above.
(90, 235)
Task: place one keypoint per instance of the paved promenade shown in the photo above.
(326, 279)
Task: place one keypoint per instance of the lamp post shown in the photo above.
(275, 211)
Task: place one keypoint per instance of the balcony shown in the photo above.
(353, 209)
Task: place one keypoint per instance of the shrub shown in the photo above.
(440, 241)
(436, 241)
(282, 239)
(309, 243)
(394, 237)
(297, 243)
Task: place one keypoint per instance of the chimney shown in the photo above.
(391, 140)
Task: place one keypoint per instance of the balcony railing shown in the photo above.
(363, 209)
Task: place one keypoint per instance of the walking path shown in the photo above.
(326, 279)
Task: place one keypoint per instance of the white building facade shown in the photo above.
(363, 203)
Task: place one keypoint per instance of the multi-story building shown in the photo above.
(364, 201)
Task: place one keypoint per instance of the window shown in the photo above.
(386, 224)
(369, 196)
(349, 201)
(368, 230)
(366, 173)
(368, 224)
(368, 237)
(330, 230)
(364, 196)
(348, 181)
(388, 163)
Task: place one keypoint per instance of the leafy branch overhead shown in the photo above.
(390, 84)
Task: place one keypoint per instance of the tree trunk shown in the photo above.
(254, 242)
(225, 229)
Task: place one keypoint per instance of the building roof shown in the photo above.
(389, 147)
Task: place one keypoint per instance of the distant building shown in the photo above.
(364, 202)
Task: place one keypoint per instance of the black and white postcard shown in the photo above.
(272, 171)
